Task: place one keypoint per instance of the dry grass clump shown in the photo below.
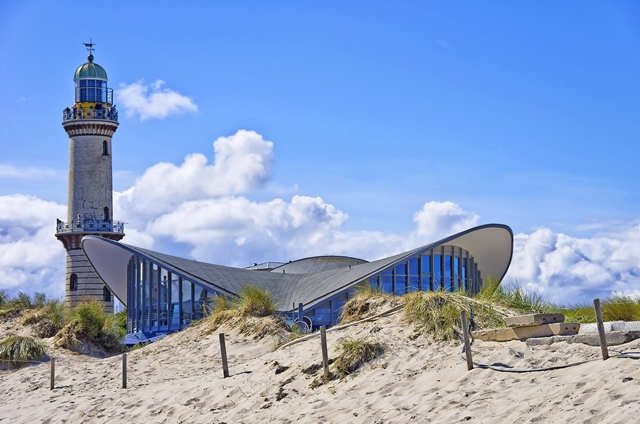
(88, 323)
(255, 302)
(67, 337)
(615, 308)
(437, 314)
(46, 320)
(17, 349)
(354, 353)
(253, 313)
(366, 303)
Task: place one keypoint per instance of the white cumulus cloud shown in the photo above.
(203, 209)
(153, 101)
(31, 258)
(570, 269)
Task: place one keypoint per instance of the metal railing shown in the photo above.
(89, 225)
(109, 114)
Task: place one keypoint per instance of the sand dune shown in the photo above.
(179, 379)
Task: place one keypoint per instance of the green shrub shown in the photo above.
(17, 349)
(91, 318)
(120, 319)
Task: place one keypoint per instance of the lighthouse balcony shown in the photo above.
(89, 226)
(106, 113)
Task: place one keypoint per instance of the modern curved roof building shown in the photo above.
(165, 293)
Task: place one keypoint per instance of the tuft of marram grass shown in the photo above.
(354, 353)
(17, 349)
(48, 319)
(515, 298)
(253, 313)
(255, 302)
(437, 314)
(366, 302)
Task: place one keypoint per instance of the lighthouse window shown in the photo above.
(105, 148)
(73, 282)
(106, 294)
(106, 214)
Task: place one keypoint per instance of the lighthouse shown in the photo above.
(90, 124)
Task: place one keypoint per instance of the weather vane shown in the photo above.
(90, 45)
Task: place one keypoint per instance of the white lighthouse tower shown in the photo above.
(90, 124)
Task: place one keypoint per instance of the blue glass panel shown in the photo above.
(426, 264)
(413, 283)
(437, 272)
(186, 302)
(413, 266)
(337, 306)
(401, 285)
(447, 273)
(386, 282)
(323, 314)
(426, 283)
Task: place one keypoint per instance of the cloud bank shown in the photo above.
(203, 209)
(152, 101)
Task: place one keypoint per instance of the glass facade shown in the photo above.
(162, 301)
(446, 268)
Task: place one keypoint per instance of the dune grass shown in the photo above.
(252, 313)
(437, 314)
(366, 302)
(18, 349)
(46, 320)
(89, 321)
(354, 353)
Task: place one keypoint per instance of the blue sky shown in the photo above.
(522, 113)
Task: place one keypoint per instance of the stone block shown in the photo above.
(523, 333)
(614, 338)
(533, 319)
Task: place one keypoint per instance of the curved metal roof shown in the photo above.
(491, 245)
(90, 70)
(318, 264)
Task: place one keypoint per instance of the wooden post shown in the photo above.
(603, 337)
(124, 370)
(53, 373)
(325, 353)
(223, 353)
(467, 345)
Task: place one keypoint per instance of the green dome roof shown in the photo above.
(90, 70)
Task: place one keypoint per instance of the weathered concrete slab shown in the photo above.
(611, 326)
(614, 338)
(533, 319)
(523, 333)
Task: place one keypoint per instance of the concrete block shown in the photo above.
(614, 338)
(533, 319)
(523, 333)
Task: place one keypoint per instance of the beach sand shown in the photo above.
(179, 379)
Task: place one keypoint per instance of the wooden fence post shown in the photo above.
(53, 373)
(124, 370)
(603, 337)
(467, 345)
(223, 353)
(325, 352)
